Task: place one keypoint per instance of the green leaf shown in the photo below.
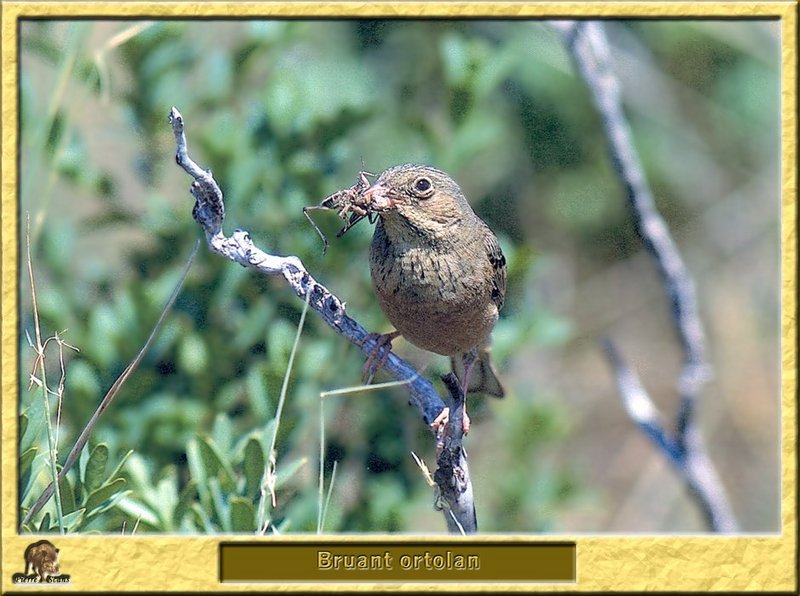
(209, 457)
(34, 415)
(44, 525)
(104, 335)
(96, 467)
(83, 460)
(184, 502)
(243, 515)
(110, 504)
(455, 59)
(254, 462)
(37, 469)
(105, 492)
(202, 519)
(79, 494)
(222, 433)
(72, 522)
(218, 502)
(192, 354)
(215, 464)
(257, 393)
(26, 466)
(26, 459)
(137, 510)
(280, 337)
(68, 504)
(137, 472)
(167, 497)
(198, 470)
(23, 425)
(83, 380)
(118, 469)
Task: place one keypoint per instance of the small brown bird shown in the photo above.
(438, 271)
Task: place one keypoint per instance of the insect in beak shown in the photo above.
(352, 205)
(379, 197)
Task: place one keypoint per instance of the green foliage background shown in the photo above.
(284, 113)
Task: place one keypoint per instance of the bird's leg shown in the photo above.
(469, 358)
(378, 355)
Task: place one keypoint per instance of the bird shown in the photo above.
(438, 272)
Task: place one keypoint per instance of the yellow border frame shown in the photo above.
(749, 562)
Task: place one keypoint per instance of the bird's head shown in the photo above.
(419, 195)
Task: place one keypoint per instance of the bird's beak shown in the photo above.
(378, 197)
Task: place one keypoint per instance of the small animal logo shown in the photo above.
(41, 565)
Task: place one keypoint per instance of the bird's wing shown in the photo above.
(498, 261)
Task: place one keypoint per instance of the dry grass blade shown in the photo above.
(40, 364)
(110, 395)
(322, 510)
(424, 468)
(365, 388)
(324, 514)
(270, 472)
(113, 43)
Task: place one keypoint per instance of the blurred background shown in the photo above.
(285, 113)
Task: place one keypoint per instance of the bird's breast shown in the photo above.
(438, 297)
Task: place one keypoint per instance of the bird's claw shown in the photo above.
(444, 418)
(378, 355)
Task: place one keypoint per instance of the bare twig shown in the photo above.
(209, 212)
(683, 447)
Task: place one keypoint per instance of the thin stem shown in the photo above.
(321, 463)
(40, 360)
(270, 471)
(328, 496)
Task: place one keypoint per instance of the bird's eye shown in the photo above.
(423, 187)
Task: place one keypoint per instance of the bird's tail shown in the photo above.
(483, 376)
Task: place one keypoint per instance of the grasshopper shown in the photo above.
(352, 205)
